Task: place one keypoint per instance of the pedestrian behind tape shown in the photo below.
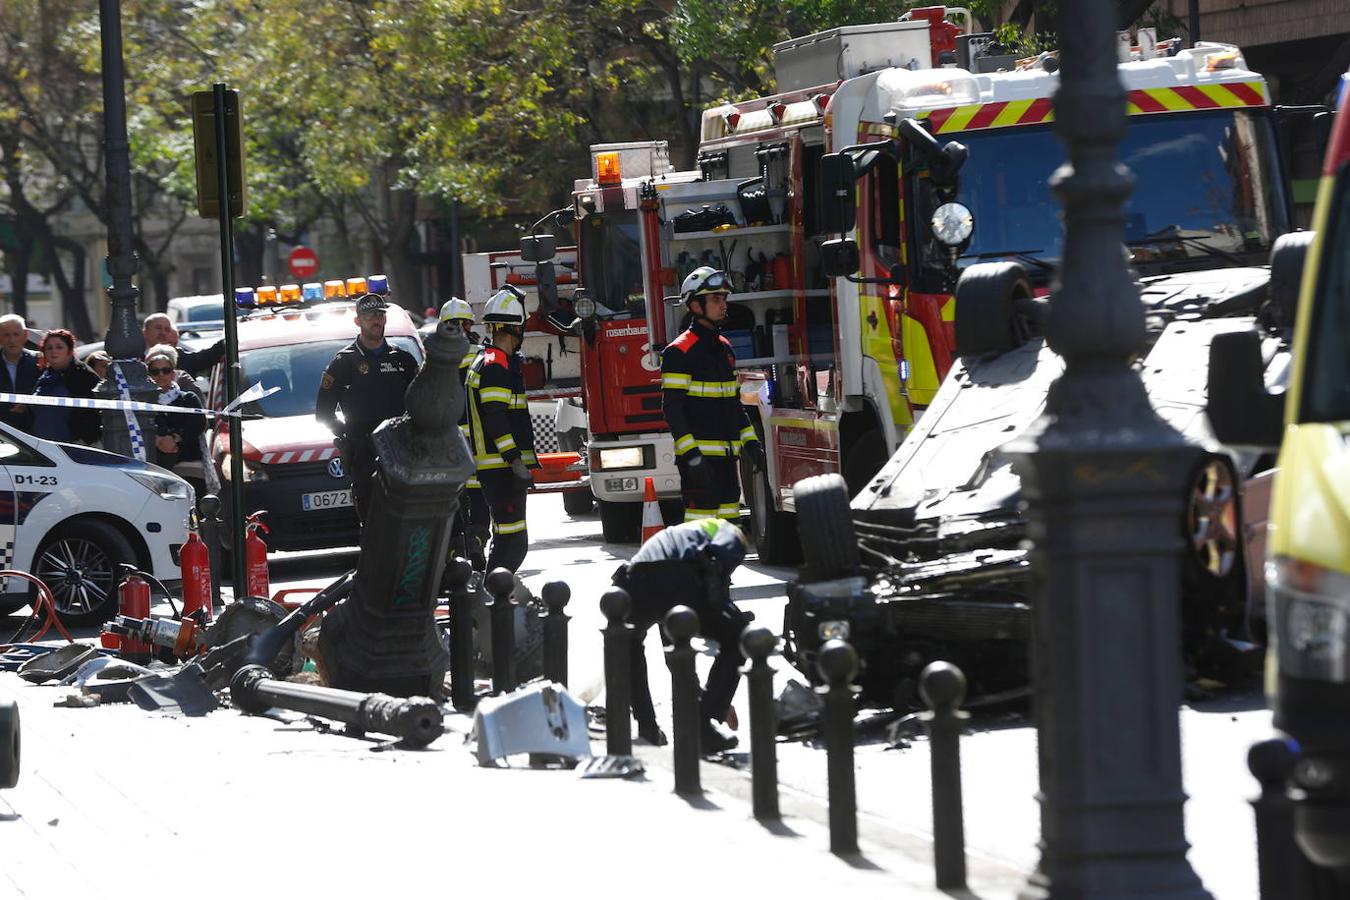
(500, 432)
(65, 376)
(689, 564)
(700, 397)
(367, 381)
(19, 374)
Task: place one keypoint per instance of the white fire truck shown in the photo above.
(918, 168)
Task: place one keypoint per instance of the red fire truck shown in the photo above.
(921, 150)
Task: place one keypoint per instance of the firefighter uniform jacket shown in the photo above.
(700, 395)
(499, 416)
(369, 385)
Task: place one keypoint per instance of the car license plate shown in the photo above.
(325, 500)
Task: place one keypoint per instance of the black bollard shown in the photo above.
(462, 694)
(943, 687)
(838, 664)
(501, 584)
(681, 625)
(615, 604)
(210, 528)
(758, 643)
(555, 595)
(1284, 871)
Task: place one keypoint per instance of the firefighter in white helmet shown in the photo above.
(500, 434)
(700, 398)
(472, 522)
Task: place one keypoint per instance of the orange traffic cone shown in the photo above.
(652, 523)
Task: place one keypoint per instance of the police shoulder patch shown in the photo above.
(326, 381)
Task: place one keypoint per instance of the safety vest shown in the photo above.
(500, 431)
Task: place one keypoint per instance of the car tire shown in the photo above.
(1287, 256)
(9, 743)
(620, 523)
(774, 533)
(987, 296)
(578, 503)
(832, 550)
(1214, 574)
(91, 550)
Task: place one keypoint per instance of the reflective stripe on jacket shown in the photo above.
(700, 394)
(500, 431)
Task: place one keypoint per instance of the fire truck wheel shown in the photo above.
(774, 532)
(1214, 575)
(1286, 273)
(986, 308)
(829, 544)
(78, 562)
(9, 743)
(864, 460)
(621, 523)
(578, 503)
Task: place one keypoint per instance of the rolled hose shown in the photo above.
(265, 649)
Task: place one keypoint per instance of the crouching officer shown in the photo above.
(700, 397)
(688, 564)
(367, 379)
(472, 522)
(499, 427)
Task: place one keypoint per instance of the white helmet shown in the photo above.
(506, 307)
(456, 310)
(704, 280)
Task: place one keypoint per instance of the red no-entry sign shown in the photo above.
(303, 262)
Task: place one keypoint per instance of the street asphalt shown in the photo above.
(116, 801)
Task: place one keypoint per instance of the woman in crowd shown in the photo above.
(64, 376)
(99, 362)
(177, 437)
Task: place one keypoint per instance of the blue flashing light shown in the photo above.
(311, 292)
(1341, 90)
(378, 284)
(244, 298)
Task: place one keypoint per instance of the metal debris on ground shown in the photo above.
(57, 664)
(539, 718)
(611, 767)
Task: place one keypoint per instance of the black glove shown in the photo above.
(754, 452)
(698, 471)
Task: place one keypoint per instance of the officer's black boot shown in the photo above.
(714, 737)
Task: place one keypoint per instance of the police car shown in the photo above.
(70, 514)
(291, 468)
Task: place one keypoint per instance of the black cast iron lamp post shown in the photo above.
(123, 340)
(1104, 479)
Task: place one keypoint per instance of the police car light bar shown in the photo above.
(267, 296)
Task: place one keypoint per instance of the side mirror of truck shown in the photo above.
(1242, 412)
(546, 283)
(839, 257)
(537, 248)
(838, 179)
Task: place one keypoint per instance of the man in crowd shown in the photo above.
(157, 329)
(367, 379)
(19, 374)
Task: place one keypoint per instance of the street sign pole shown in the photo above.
(238, 558)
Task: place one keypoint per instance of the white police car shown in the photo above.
(70, 514)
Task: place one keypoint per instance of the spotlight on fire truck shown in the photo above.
(953, 224)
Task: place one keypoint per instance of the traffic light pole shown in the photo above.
(238, 559)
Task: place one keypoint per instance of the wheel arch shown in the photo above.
(125, 528)
(853, 425)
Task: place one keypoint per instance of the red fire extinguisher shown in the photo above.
(255, 555)
(133, 599)
(195, 560)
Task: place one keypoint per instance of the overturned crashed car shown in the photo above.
(928, 561)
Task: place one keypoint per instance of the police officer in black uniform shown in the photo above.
(688, 564)
(700, 397)
(368, 379)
